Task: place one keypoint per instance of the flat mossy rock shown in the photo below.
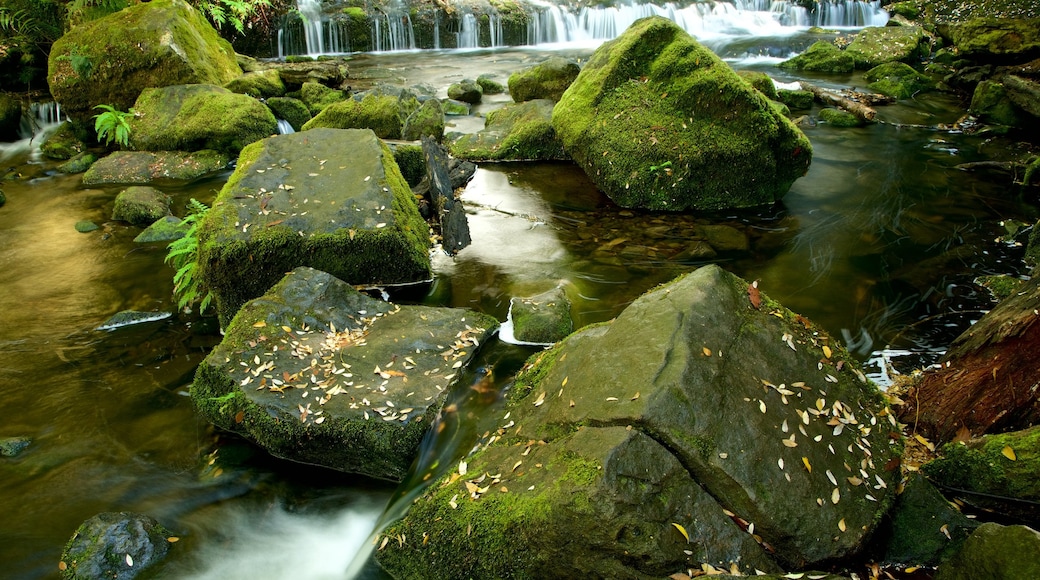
(292, 110)
(378, 113)
(141, 205)
(78, 164)
(141, 167)
(878, 45)
(996, 39)
(427, 120)
(260, 84)
(839, 118)
(897, 79)
(915, 532)
(812, 464)
(63, 144)
(467, 91)
(167, 229)
(547, 80)
(308, 391)
(542, 319)
(995, 551)
(517, 131)
(151, 44)
(657, 121)
(193, 117)
(822, 56)
(331, 199)
(117, 545)
(796, 100)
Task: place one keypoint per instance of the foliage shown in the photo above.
(80, 11)
(236, 13)
(184, 257)
(27, 30)
(113, 125)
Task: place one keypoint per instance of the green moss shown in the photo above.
(547, 80)
(411, 161)
(877, 45)
(839, 118)
(909, 10)
(378, 113)
(981, 466)
(490, 85)
(822, 56)
(991, 104)
(292, 110)
(425, 120)
(897, 79)
(1001, 285)
(261, 84)
(760, 81)
(796, 100)
(520, 131)
(317, 96)
(64, 143)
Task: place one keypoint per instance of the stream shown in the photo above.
(879, 243)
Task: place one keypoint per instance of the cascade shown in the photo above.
(284, 128)
(311, 33)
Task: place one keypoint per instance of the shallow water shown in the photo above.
(879, 241)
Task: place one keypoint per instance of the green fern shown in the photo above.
(183, 255)
(112, 125)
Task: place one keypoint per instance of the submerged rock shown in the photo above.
(142, 167)
(193, 117)
(543, 319)
(547, 80)
(12, 446)
(995, 551)
(331, 199)
(132, 317)
(111, 60)
(141, 205)
(114, 545)
(316, 372)
(657, 121)
(623, 435)
(516, 132)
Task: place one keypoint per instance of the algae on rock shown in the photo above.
(516, 132)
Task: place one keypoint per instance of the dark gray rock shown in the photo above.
(12, 446)
(447, 210)
(114, 545)
(995, 551)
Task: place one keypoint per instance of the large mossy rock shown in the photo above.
(897, 79)
(426, 121)
(995, 551)
(194, 117)
(152, 44)
(141, 205)
(114, 545)
(691, 389)
(260, 84)
(333, 377)
(64, 143)
(380, 113)
(877, 45)
(990, 103)
(659, 122)
(516, 132)
(995, 39)
(822, 56)
(292, 110)
(142, 167)
(331, 199)
(547, 80)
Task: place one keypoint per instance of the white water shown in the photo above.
(42, 120)
(284, 128)
(320, 35)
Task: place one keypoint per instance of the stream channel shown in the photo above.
(879, 243)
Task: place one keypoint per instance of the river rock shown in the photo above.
(378, 113)
(547, 80)
(114, 545)
(78, 164)
(193, 117)
(467, 91)
(657, 121)
(822, 56)
(427, 120)
(995, 551)
(489, 85)
(318, 96)
(111, 60)
(515, 132)
(132, 317)
(629, 423)
(915, 532)
(990, 103)
(64, 143)
(877, 45)
(12, 446)
(897, 79)
(142, 167)
(141, 205)
(543, 319)
(10, 117)
(166, 229)
(449, 212)
(995, 39)
(316, 372)
(1025, 94)
(292, 110)
(839, 118)
(331, 199)
(331, 72)
(259, 85)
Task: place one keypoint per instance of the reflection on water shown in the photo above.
(878, 243)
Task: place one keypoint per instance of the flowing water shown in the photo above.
(879, 243)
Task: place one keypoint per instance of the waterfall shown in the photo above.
(469, 34)
(284, 128)
(36, 124)
(312, 33)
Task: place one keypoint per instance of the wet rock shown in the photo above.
(3, 198)
(10, 117)
(259, 85)
(518, 131)
(142, 167)
(292, 110)
(141, 205)
(1025, 94)
(378, 113)
(917, 526)
(723, 238)
(796, 100)
(542, 319)
(86, 226)
(132, 317)
(635, 139)
(467, 91)
(427, 120)
(897, 79)
(64, 143)
(167, 229)
(318, 96)
(643, 427)
(995, 551)
(990, 103)
(333, 377)
(822, 56)
(760, 81)
(547, 80)
(78, 164)
(839, 118)
(455, 108)
(448, 211)
(877, 45)
(112, 60)
(325, 198)
(331, 72)
(114, 545)
(968, 77)
(490, 86)
(995, 39)
(12, 446)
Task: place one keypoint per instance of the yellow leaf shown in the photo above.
(841, 524)
(826, 351)
(808, 466)
(260, 324)
(925, 442)
(682, 531)
(707, 351)
(1008, 452)
(286, 329)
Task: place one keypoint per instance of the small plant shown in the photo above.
(183, 255)
(112, 125)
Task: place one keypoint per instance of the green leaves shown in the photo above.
(183, 255)
(233, 12)
(112, 125)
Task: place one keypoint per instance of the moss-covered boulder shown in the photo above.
(995, 39)
(897, 79)
(839, 118)
(547, 80)
(658, 121)
(259, 84)
(467, 91)
(378, 113)
(318, 96)
(990, 103)
(760, 81)
(517, 131)
(10, 117)
(167, 229)
(64, 143)
(995, 551)
(615, 434)
(878, 45)
(822, 56)
(194, 117)
(316, 372)
(292, 110)
(78, 164)
(142, 167)
(141, 205)
(117, 545)
(541, 319)
(151, 44)
(797, 100)
(427, 120)
(923, 528)
(490, 86)
(1024, 94)
(331, 199)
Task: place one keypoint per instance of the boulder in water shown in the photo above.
(822, 56)
(897, 79)
(467, 91)
(427, 120)
(516, 132)
(381, 114)
(547, 80)
(64, 143)
(114, 545)
(657, 121)
(877, 45)
(143, 167)
(141, 205)
(292, 110)
(260, 84)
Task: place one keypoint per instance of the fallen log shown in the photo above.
(861, 111)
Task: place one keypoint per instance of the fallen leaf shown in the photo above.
(754, 295)
(826, 351)
(129, 561)
(706, 351)
(808, 466)
(1008, 452)
(463, 468)
(841, 524)
(540, 400)
(682, 531)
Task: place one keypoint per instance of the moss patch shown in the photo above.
(521, 131)
(378, 113)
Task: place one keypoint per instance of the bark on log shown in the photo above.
(861, 111)
(989, 380)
